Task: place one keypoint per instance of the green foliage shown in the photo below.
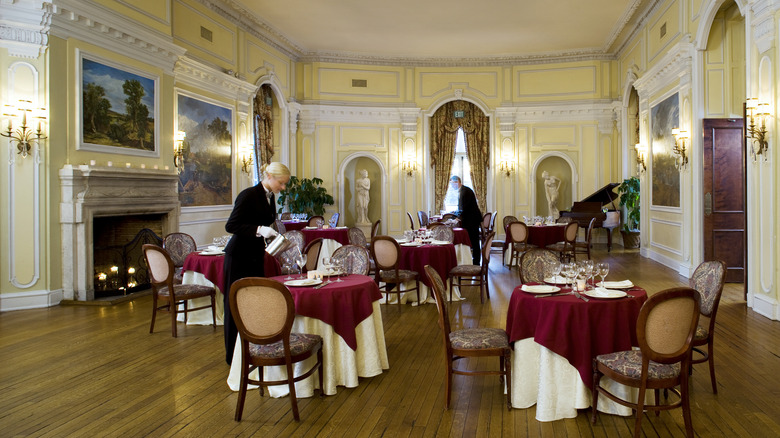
(96, 107)
(305, 196)
(629, 198)
(137, 112)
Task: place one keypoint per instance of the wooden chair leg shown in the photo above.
(242, 392)
(154, 312)
(508, 369)
(172, 309)
(291, 386)
(710, 349)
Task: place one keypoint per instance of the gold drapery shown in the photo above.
(444, 129)
(264, 126)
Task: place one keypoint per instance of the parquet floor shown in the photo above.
(94, 371)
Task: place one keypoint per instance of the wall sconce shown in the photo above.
(24, 136)
(178, 150)
(246, 160)
(409, 166)
(507, 166)
(681, 160)
(756, 129)
(641, 155)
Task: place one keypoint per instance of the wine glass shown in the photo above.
(288, 265)
(555, 270)
(590, 270)
(571, 274)
(603, 271)
(300, 260)
(338, 265)
(326, 262)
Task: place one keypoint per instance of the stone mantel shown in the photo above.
(89, 192)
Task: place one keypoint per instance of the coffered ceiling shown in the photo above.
(444, 29)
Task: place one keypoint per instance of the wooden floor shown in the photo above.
(91, 371)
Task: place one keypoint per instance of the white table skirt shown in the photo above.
(548, 380)
(462, 254)
(341, 365)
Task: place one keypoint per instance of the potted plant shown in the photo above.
(305, 196)
(629, 198)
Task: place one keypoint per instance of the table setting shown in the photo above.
(558, 327)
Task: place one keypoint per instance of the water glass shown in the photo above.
(603, 271)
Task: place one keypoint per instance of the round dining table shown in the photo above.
(347, 316)
(555, 340)
(414, 257)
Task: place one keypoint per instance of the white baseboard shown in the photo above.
(764, 306)
(30, 300)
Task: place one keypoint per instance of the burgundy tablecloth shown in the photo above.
(340, 235)
(212, 267)
(573, 328)
(461, 237)
(342, 305)
(441, 257)
(295, 225)
(544, 235)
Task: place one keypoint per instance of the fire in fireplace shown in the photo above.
(119, 262)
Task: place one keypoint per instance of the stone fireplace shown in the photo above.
(90, 192)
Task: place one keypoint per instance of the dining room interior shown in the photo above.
(615, 150)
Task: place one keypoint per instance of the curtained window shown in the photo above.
(264, 126)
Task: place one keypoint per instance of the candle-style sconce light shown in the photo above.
(178, 150)
(679, 149)
(757, 114)
(246, 160)
(506, 166)
(641, 157)
(24, 136)
(409, 166)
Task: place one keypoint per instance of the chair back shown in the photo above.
(411, 221)
(508, 220)
(316, 221)
(286, 216)
(449, 216)
(160, 266)
(708, 280)
(589, 232)
(422, 217)
(357, 237)
(386, 253)
(443, 232)
(375, 228)
(486, 250)
(355, 258)
(334, 220)
(533, 263)
(279, 226)
(298, 240)
(517, 232)
(178, 246)
(312, 252)
(438, 293)
(263, 310)
(570, 233)
(485, 224)
(493, 221)
(666, 325)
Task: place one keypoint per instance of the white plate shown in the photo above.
(557, 280)
(625, 284)
(539, 288)
(604, 293)
(211, 253)
(410, 244)
(439, 242)
(303, 282)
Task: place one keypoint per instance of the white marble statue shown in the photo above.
(551, 186)
(362, 185)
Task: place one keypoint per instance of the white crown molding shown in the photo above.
(675, 65)
(356, 114)
(603, 113)
(189, 71)
(763, 24)
(24, 27)
(95, 24)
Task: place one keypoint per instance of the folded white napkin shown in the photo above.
(618, 284)
(214, 248)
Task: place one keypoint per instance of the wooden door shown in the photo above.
(723, 178)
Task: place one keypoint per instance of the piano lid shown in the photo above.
(604, 195)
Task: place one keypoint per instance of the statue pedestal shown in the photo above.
(366, 228)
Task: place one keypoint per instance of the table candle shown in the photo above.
(143, 166)
(156, 167)
(110, 163)
(127, 165)
(166, 167)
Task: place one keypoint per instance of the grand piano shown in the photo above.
(592, 206)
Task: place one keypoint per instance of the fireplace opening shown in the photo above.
(119, 262)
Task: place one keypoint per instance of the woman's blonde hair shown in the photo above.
(275, 169)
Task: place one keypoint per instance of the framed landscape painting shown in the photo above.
(118, 108)
(206, 176)
(666, 178)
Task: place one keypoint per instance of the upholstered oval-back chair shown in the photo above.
(179, 246)
(355, 259)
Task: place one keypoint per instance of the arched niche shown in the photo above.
(560, 167)
(349, 174)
